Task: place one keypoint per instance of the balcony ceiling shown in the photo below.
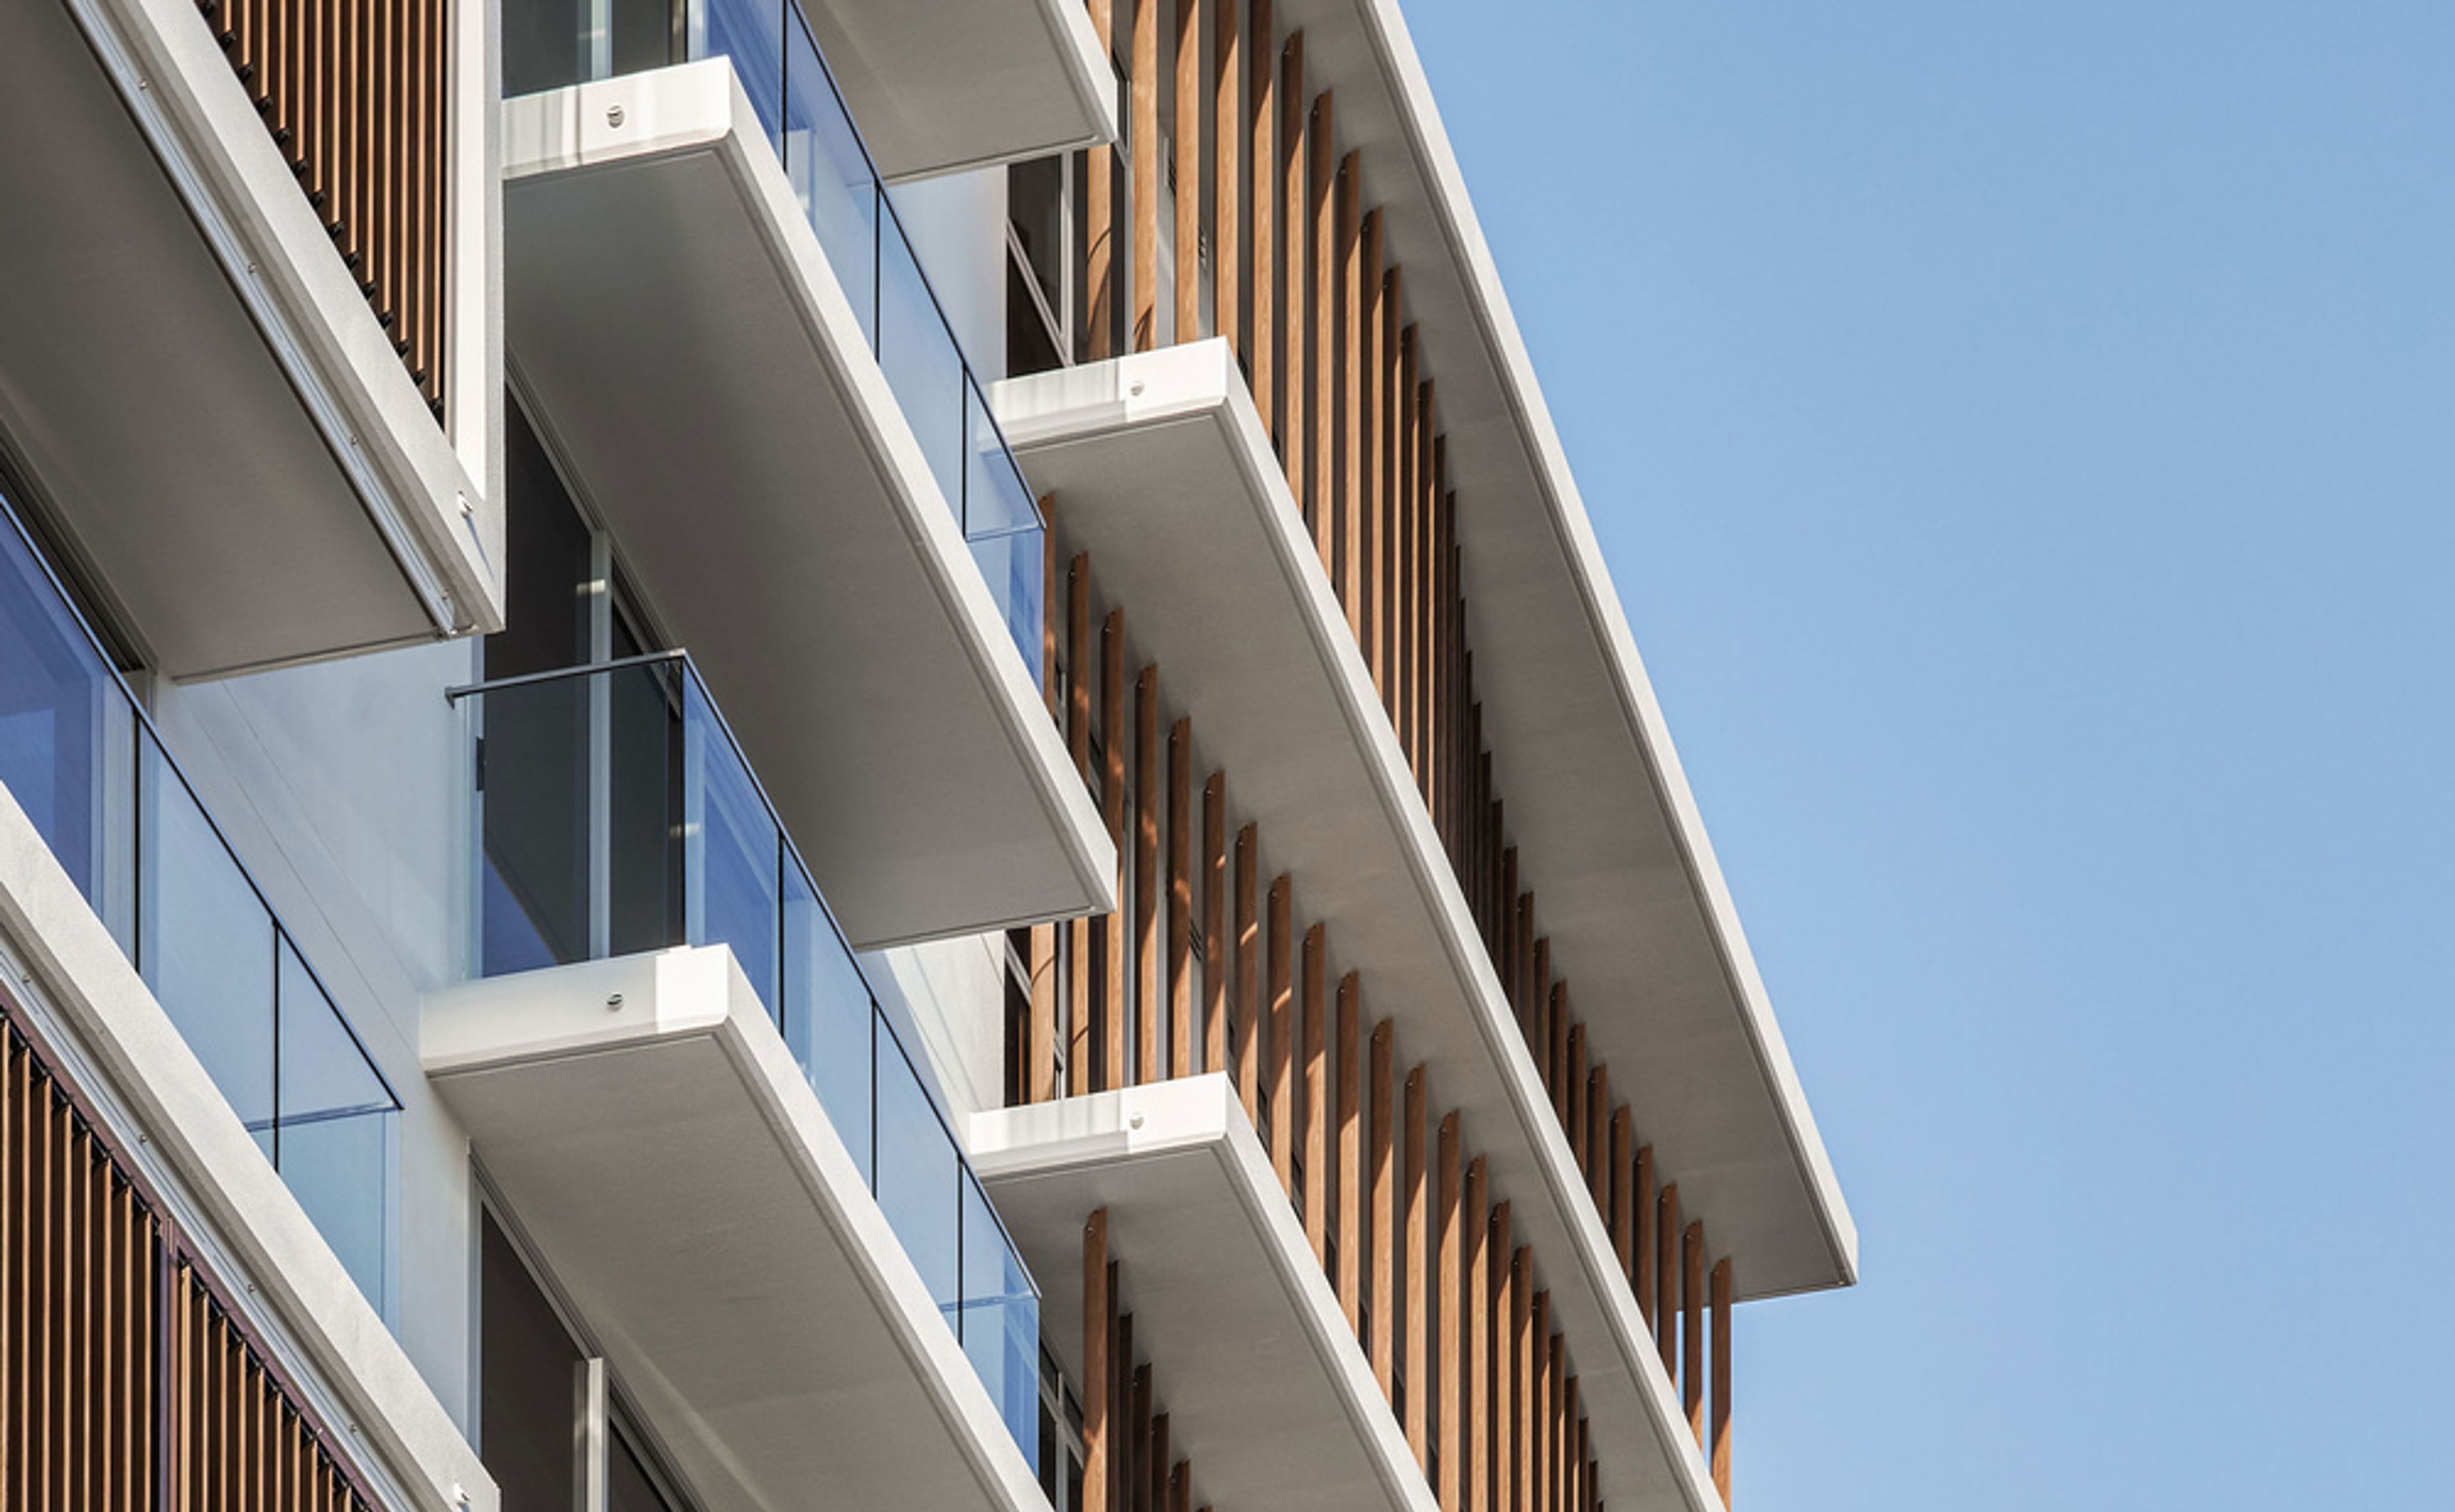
(678, 1177)
(198, 491)
(673, 315)
(939, 84)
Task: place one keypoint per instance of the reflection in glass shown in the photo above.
(65, 730)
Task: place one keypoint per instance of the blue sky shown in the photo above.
(2024, 438)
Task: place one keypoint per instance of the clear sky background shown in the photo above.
(2024, 438)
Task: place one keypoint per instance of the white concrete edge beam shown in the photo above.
(171, 1121)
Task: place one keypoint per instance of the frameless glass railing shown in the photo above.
(795, 96)
(617, 815)
(84, 763)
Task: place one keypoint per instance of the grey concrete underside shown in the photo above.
(677, 1176)
(1609, 835)
(195, 488)
(675, 319)
(1268, 1393)
(1162, 471)
(947, 84)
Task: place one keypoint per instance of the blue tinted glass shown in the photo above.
(1016, 573)
(996, 499)
(65, 728)
(917, 1176)
(1001, 1321)
(333, 1144)
(1001, 522)
(205, 940)
(829, 1021)
(830, 174)
(922, 364)
(751, 32)
(734, 850)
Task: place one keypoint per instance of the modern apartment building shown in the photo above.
(806, 754)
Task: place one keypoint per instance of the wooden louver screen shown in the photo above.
(125, 1382)
(355, 95)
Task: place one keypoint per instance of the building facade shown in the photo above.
(774, 753)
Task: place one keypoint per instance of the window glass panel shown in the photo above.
(643, 34)
(534, 808)
(642, 707)
(548, 571)
(628, 1485)
(528, 1366)
(545, 45)
(64, 727)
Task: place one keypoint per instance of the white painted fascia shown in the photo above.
(169, 1120)
(1088, 70)
(433, 500)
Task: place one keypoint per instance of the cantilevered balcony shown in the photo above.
(717, 313)
(1270, 1396)
(726, 1146)
(245, 352)
(1176, 494)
